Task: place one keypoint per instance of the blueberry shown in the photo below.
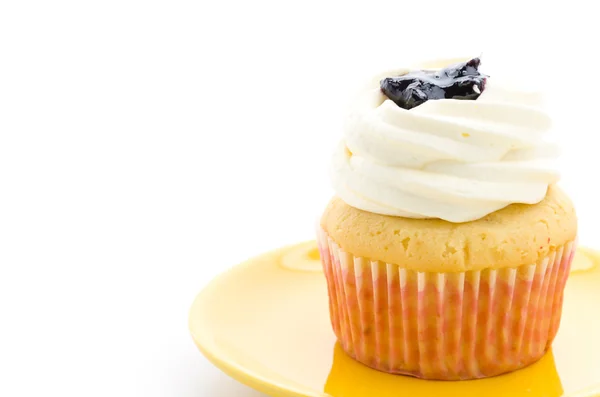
(460, 81)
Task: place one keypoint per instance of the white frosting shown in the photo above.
(456, 160)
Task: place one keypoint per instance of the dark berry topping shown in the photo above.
(460, 81)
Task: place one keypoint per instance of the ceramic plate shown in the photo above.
(266, 324)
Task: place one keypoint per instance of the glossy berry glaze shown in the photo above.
(460, 81)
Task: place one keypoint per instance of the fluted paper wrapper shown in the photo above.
(446, 326)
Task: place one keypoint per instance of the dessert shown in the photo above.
(448, 244)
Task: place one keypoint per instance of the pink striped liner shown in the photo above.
(446, 326)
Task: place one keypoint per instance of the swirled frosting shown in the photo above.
(456, 160)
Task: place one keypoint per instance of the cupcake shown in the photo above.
(448, 244)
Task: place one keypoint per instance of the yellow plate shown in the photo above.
(266, 324)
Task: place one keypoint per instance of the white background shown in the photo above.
(146, 146)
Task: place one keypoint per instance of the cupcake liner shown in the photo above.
(447, 326)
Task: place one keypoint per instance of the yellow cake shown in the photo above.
(517, 235)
